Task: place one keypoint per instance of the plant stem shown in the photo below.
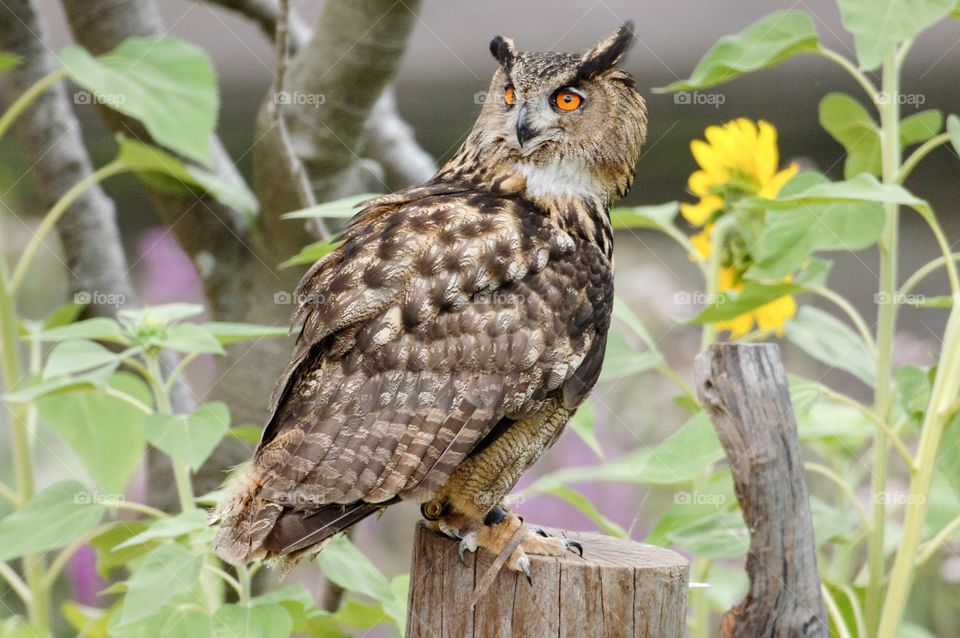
(181, 473)
(717, 238)
(826, 472)
(886, 323)
(922, 151)
(890, 433)
(699, 602)
(946, 386)
(54, 215)
(931, 546)
(921, 273)
(33, 564)
(849, 67)
(850, 311)
(16, 583)
(26, 99)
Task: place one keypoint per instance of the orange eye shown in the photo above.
(508, 97)
(567, 100)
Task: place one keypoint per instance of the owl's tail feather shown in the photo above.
(255, 528)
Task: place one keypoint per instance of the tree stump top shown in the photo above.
(618, 588)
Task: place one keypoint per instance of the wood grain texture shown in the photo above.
(619, 588)
(744, 389)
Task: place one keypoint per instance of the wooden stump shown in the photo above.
(744, 389)
(619, 588)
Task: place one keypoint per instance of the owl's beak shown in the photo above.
(524, 132)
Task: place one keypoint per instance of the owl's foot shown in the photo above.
(498, 531)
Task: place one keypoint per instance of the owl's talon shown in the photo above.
(450, 530)
(574, 545)
(523, 564)
(467, 544)
(539, 531)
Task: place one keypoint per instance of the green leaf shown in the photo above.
(949, 459)
(656, 217)
(228, 333)
(61, 385)
(863, 187)
(254, 621)
(58, 515)
(829, 523)
(190, 338)
(105, 432)
(312, 252)
(582, 503)
(63, 315)
(623, 314)
(831, 342)
(179, 621)
(763, 44)
(70, 357)
(109, 558)
(584, 422)
(163, 314)
(850, 124)
(878, 25)
(190, 438)
(683, 456)
(167, 571)
(97, 329)
(163, 172)
(166, 83)
(620, 360)
(733, 304)
(9, 60)
(247, 433)
(90, 622)
(920, 127)
(913, 390)
(340, 209)
(173, 527)
(343, 564)
(953, 130)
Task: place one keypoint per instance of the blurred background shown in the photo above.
(445, 66)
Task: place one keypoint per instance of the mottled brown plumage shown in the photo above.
(448, 340)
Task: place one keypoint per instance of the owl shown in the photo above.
(445, 344)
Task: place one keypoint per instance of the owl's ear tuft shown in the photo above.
(608, 53)
(503, 50)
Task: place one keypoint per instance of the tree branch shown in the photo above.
(52, 143)
(390, 140)
(334, 83)
(203, 226)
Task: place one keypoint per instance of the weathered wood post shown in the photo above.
(619, 588)
(744, 389)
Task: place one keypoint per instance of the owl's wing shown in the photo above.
(434, 320)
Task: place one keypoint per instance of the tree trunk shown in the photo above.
(618, 588)
(744, 389)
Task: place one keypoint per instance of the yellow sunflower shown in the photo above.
(771, 316)
(738, 159)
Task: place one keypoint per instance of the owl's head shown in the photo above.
(571, 123)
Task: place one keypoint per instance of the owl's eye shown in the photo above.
(567, 99)
(508, 95)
